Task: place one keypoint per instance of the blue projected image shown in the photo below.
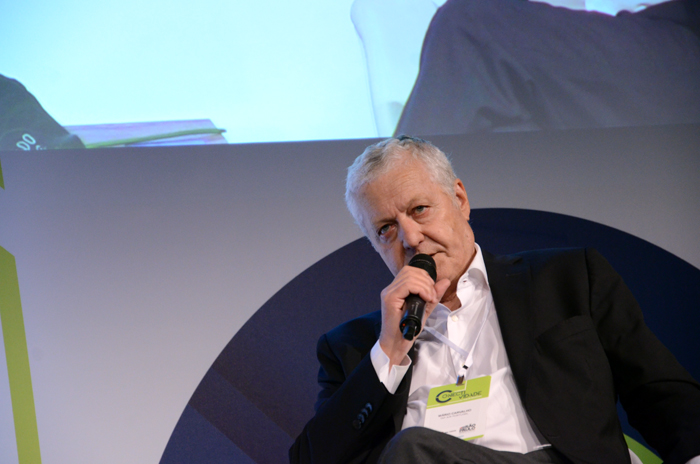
(116, 73)
(263, 71)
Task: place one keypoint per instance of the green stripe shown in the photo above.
(18, 362)
(2, 182)
(642, 452)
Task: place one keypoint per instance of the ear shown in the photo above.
(462, 199)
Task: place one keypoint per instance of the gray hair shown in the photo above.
(377, 159)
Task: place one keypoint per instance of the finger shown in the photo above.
(440, 288)
(425, 285)
(428, 290)
(410, 282)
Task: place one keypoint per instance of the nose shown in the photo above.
(410, 234)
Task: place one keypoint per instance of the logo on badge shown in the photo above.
(467, 428)
(444, 396)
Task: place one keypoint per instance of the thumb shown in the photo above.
(441, 287)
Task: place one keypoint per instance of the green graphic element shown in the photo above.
(474, 389)
(2, 183)
(18, 362)
(643, 453)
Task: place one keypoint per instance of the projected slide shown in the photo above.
(159, 73)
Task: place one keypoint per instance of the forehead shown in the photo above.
(397, 187)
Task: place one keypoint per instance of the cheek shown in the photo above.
(444, 266)
(393, 257)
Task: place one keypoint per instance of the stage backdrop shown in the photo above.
(136, 267)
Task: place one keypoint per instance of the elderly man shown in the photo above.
(527, 354)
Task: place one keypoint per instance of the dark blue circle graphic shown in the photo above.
(260, 391)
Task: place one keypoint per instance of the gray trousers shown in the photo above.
(420, 445)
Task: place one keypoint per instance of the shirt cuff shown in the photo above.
(391, 378)
(695, 460)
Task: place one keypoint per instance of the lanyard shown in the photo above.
(467, 355)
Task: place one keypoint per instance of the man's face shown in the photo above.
(405, 212)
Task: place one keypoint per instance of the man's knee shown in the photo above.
(410, 445)
(413, 435)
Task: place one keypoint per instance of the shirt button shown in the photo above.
(454, 318)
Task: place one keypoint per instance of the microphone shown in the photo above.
(414, 306)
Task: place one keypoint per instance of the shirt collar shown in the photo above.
(475, 276)
(476, 272)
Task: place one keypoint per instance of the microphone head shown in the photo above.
(425, 262)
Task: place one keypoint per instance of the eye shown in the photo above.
(383, 230)
(420, 209)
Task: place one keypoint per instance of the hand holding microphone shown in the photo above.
(414, 305)
(411, 295)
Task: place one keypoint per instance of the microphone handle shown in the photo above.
(412, 320)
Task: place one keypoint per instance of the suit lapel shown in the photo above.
(510, 279)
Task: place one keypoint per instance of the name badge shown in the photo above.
(459, 410)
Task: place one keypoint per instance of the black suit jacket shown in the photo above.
(576, 342)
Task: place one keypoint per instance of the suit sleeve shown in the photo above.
(660, 397)
(354, 411)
